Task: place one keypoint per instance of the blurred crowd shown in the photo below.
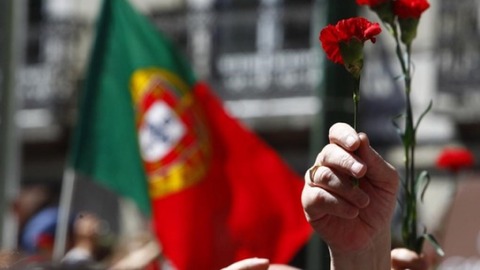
(88, 245)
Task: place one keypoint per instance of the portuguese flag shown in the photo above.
(149, 131)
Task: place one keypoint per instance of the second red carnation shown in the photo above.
(410, 8)
(455, 159)
(371, 3)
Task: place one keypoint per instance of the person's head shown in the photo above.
(30, 199)
(36, 210)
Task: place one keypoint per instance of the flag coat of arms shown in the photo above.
(149, 131)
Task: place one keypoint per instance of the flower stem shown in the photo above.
(409, 229)
(413, 191)
(356, 100)
(399, 50)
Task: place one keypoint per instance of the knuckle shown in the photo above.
(311, 213)
(324, 174)
(321, 157)
(345, 162)
(314, 200)
(320, 198)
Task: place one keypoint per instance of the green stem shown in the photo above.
(410, 215)
(398, 49)
(356, 100)
(410, 123)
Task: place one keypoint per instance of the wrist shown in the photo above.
(375, 256)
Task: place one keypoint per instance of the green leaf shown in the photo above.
(423, 179)
(430, 238)
(429, 107)
(399, 77)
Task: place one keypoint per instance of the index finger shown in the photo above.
(345, 136)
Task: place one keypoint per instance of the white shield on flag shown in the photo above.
(160, 132)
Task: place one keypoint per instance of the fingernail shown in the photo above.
(350, 141)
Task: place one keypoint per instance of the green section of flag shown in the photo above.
(105, 146)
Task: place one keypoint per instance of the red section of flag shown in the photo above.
(247, 205)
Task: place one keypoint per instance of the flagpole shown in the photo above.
(332, 88)
(64, 210)
(9, 104)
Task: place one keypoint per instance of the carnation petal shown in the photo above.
(329, 39)
(372, 31)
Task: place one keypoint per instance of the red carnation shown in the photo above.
(353, 29)
(371, 3)
(455, 159)
(410, 8)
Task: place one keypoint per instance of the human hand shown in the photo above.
(403, 259)
(351, 220)
(249, 264)
(258, 264)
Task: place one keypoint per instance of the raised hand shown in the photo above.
(353, 220)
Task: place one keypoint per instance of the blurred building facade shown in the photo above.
(257, 55)
(262, 58)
